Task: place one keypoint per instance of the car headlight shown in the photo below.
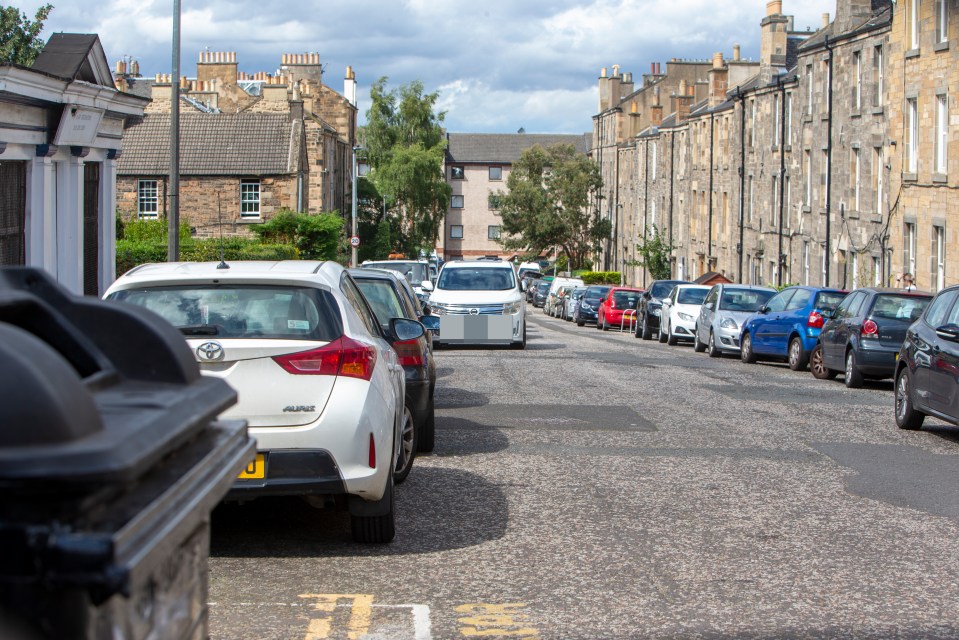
(685, 316)
(510, 309)
(438, 308)
(728, 323)
(585, 306)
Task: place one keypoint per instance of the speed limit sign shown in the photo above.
(355, 241)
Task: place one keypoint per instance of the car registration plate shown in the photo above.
(255, 470)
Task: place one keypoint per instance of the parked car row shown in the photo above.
(334, 369)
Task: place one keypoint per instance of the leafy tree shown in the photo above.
(405, 148)
(20, 41)
(655, 249)
(315, 237)
(547, 204)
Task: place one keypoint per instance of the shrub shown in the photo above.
(316, 237)
(601, 277)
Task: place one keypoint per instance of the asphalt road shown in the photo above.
(600, 486)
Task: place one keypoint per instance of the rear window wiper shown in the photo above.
(200, 330)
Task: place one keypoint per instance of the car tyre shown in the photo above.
(671, 340)
(378, 529)
(580, 323)
(906, 415)
(698, 346)
(817, 365)
(711, 350)
(522, 343)
(798, 358)
(647, 332)
(407, 450)
(663, 332)
(427, 437)
(746, 353)
(853, 376)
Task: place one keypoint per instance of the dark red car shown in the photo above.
(617, 301)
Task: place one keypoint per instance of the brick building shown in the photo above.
(477, 166)
(922, 80)
(262, 141)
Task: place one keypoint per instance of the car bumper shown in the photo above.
(418, 400)
(652, 319)
(877, 361)
(682, 329)
(292, 472)
(583, 315)
(727, 339)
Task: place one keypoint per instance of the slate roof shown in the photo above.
(506, 148)
(75, 56)
(238, 144)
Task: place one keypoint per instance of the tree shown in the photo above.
(405, 148)
(655, 249)
(20, 41)
(547, 204)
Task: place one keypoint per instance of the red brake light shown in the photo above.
(815, 320)
(341, 357)
(409, 352)
(869, 329)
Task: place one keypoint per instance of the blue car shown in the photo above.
(787, 327)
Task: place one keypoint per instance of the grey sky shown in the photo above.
(498, 65)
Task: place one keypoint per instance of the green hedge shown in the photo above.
(601, 277)
(130, 253)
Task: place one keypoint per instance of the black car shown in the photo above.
(927, 372)
(651, 305)
(531, 285)
(863, 335)
(541, 293)
(390, 298)
(586, 310)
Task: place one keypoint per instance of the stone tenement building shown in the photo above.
(789, 175)
(921, 80)
(251, 144)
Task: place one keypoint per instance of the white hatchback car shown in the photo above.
(319, 384)
(679, 313)
(479, 302)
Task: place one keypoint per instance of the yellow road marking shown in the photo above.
(484, 619)
(361, 614)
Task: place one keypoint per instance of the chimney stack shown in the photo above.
(349, 86)
(825, 20)
(736, 53)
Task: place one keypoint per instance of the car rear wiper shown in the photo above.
(200, 330)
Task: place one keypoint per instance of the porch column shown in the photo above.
(108, 220)
(70, 224)
(41, 214)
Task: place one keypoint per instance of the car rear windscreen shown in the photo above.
(626, 299)
(242, 311)
(744, 299)
(415, 272)
(828, 300)
(900, 307)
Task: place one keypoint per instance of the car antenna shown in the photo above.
(219, 218)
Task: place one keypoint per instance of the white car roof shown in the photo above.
(473, 264)
(316, 272)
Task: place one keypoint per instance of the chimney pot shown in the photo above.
(774, 7)
(825, 20)
(736, 52)
(718, 60)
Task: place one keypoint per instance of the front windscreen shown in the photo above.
(661, 289)
(481, 279)
(242, 311)
(691, 296)
(744, 299)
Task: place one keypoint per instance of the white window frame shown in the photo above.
(787, 209)
(811, 85)
(880, 184)
(775, 199)
(807, 175)
(148, 208)
(857, 179)
(751, 199)
(942, 134)
(805, 262)
(857, 90)
(855, 269)
(939, 246)
(822, 268)
(877, 65)
(912, 135)
(789, 118)
(654, 163)
(942, 21)
(876, 272)
(913, 26)
(250, 194)
(824, 178)
(909, 248)
(776, 123)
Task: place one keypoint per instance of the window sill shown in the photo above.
(941, 46)
(852, 215)
(909, 177)
(250, 220)
(806, 208)
(878, 111)
(912, 53)
(856, 114)
(940, 178)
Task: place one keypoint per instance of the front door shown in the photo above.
(91, 229)
(943, 389)
(13, 207)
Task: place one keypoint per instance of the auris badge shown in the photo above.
(474, 311)
(210, 351)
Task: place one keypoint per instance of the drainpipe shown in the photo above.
(672, 170)
(614, 232)
(742, 176)
(782, 174)
(709, 235)
(828, 163)
(645, 202)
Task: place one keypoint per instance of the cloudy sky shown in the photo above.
(498, 65)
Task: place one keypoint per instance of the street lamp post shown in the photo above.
(354, 230)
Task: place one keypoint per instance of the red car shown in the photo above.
(617, 301)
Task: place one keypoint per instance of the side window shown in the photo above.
(855, 305)
(939, 309)
(799, 300)
(778, 301)
(712, 297)
(355, 298)
(842, 311)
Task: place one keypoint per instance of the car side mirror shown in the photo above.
(404, 329)
(431, 322)
(427, 285)
(427, 310)
(709, 305)
(949, 332)
(764, 309)
(522, 286)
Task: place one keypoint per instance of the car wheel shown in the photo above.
(711, 349)
(853, 374)
(580, 323)
(521, 344)
(698, 346)
(663, 332)
(798, 358)
(746, 352)
(407, 450)
(380, 528)
(647, 332)
(426, 440)
(671, 340)
(906, 416)
(818, 365)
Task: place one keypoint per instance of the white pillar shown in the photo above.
(41, 215)
(70, 224)
(108, 223)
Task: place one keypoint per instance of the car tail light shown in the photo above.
(410, 353)
(869, 329)
(341, 357)
(372, 453)
(815, 320)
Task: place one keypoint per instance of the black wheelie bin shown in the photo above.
(111, 460)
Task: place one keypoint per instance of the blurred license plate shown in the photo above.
(476, 328)
(255, 470)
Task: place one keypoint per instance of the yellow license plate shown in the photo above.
(255, 470)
